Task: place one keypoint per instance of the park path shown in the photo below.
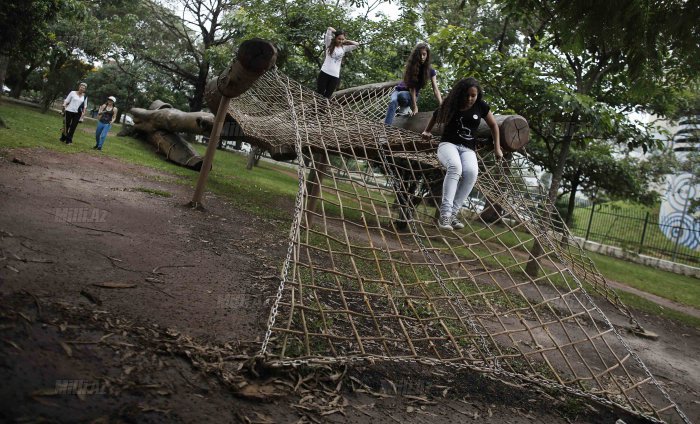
(661, 301)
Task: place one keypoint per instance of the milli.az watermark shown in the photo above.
(80, 215)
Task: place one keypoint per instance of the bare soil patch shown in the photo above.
(120, 305)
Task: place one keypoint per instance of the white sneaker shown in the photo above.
(404, 111)
(456, 223)
(444, 223)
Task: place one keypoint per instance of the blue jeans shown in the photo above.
(398, 98)
(101, 134)
(462, 170)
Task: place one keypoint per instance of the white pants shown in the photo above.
(462, 170)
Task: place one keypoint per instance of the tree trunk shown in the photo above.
(572, 204)
(172, 120)
(197, 100)
(532, 268)
(4, 61)
(313, 185)
(175, 149)
(19, 87)
(253, 157)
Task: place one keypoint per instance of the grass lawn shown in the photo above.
(679, 288)
(256, 191)
(260, 190)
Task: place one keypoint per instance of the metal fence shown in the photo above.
(634, 230)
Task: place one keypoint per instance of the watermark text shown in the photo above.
(80, 387)
(80, 215)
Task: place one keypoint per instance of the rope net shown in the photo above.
(370, 276)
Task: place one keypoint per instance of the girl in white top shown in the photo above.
(74, 107)
(336, 47)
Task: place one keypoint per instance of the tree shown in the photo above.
(135, 84)
(574, 82)
(297, 30)
(600, 173)
(62, 54)
(179, 45)
(23, 27)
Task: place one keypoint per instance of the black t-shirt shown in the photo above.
(461, 129)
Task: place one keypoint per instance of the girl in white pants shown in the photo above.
(460, 114)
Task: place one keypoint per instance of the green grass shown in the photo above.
(679, 288)
(258, 191)
(152, 191)
(261, 191)
(647, 306)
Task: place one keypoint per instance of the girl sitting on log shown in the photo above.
(417, 73)
(336, 47)
(460, 114)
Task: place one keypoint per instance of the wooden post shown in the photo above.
(313, 184)
(211, 150)
(255, 57)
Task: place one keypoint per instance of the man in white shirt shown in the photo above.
(74, 107)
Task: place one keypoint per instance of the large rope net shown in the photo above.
(369, 276)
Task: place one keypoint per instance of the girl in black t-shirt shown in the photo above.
(460, 113)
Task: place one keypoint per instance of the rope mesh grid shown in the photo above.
(370, 276)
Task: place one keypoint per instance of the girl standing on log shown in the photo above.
(460, 114)
(336, 47)
(105, 117)
(417, 73)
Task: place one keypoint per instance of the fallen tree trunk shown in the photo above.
(175, 149)
(160, 125)
(172, 120)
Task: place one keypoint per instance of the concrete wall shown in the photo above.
(640, 259)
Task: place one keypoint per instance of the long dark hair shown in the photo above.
(455, 99)
(336, 34)
(416, 75)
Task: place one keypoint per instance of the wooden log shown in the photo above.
(175, 149)
(340, 95)
(172, 120)
(159, 126)
(514, 129)
(255, 57)
(514, 135)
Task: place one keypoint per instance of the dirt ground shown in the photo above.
(120, 305)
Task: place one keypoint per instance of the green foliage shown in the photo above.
(184, 41)
(575, 115)
(25, 25)
(297, 29)
(62, 50)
